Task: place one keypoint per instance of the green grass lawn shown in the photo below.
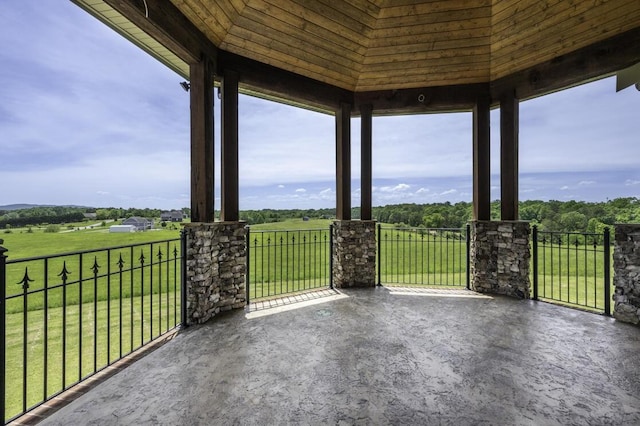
(22, 244)
(293, 224)
(121, 309)
(282, 261)
(96, 335)
(423, 257)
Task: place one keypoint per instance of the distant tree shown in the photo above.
(573, 221)
(102, 214)
(594, 226)
(529, 213)
(434, 220)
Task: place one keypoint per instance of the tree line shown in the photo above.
(553, 215)
(66, 214)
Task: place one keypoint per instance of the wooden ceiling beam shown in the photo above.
(269, 82)
(165, 23)
(423, 100)
(588, 63)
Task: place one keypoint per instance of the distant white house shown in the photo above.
(122, 228)
(140, 223)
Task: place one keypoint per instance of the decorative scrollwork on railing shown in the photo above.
(25, 280)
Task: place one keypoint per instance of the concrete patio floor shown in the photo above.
(382, 356)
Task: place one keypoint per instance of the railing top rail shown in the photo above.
(74, 253)
(403, 228)
(264, 231)
(588, 234)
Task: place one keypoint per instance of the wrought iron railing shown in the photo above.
(66, 317)
(280, 262)
(423, 256)
(572, 269)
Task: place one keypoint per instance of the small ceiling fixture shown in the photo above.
(186, 86)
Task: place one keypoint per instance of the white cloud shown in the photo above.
(422, 191)
(631, 182)
(449, 191)
(280, 186)
(301, 190)
(564, 188)
(586, 182)
(398, 188)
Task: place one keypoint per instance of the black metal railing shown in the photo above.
(287, 261)
(66, 317)
(572, 269)
(423, 256)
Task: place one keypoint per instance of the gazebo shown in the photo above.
(385, 355)
(365, 58)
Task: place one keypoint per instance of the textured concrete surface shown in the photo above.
(383, 356)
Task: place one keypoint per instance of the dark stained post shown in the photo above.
(481, 159)
(366, 124)
(229, 210)
(509, 109)
(343, 162)
(201, 98)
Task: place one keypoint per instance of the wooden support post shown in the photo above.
(343, 162)
(366, 124)
(482, 159)
(229, 210)
(509, 156)
(201, 92)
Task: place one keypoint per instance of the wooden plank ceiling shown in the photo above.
(363, 45)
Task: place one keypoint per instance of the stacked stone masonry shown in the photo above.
(500, 257)
(216, 266)
(626, 278)
(354, 253)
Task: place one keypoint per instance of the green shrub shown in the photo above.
(52, 229)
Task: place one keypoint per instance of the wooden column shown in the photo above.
(366, 124)
(229, 210)
(481, 159)
(343, 162)
(201, 94)
(509, 156)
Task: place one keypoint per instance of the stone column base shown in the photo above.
(500, 258)
(626, 273)
(354, 253)
(216, 266)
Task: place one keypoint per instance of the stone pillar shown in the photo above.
(216, 266)
(354, 253)
(500, 258)
(626, 273)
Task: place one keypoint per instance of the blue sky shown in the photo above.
(87, 118)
